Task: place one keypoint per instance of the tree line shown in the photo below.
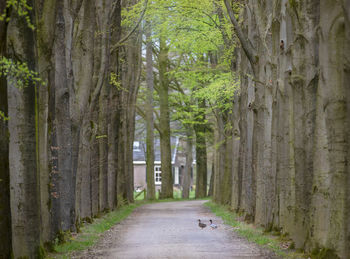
(69, 78)
(261, 88)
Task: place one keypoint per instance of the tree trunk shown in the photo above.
(188, 165)
(24, 182)
(5, 210)
(151, 192)
(103, 147)
(63, 175)
(201, 152)
(45, 12)
(164, 124)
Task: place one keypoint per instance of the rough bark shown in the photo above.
(151, 195)
(201, 152)
(45, 13)
(130, 77)
(114, 118)
(24, 194)
(82, 57)
(5, 210)
(223, 143)
(188, 166)
(164, 123)
(62, 175)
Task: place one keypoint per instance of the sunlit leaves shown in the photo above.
(18, 73)
(113, 80)
(3, 117)
(21, 7)
(201, 45)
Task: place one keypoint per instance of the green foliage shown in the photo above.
(194, 33)
(201, 46)
(114, 80)
(101, 136)
(21, 7)
(18, 73)
(2, 116)
(41, 252)
(62, 237)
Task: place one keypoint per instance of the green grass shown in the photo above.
(91, 232)
(253, 233)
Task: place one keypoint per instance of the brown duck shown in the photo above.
(201, 225)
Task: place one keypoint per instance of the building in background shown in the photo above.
(178, 162)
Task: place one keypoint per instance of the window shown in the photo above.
(176, 175)
(136, 146)
(157, 174)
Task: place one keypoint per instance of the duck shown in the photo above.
(201, 225)
(212, 225)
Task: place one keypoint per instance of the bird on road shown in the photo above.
(212, 225)
(201, 225)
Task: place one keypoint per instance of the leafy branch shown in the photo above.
(18, 73)
(22, 9)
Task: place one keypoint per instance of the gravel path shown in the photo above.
(170, 230)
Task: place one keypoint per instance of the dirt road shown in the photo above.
(170, 230)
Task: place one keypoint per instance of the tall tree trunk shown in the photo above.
(114, 116)
(228, 161)
(188, 165)
(151, 192)
(45, 13)
(164, 124)
(82, 65)
(236, 168)
(103, 147)
(5, 210)
(25, 207)
(63, 175)
(130, 71)
(211, 183)
(201, 152)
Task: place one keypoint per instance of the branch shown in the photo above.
(157, 115)
(143, 115)
(141, 112)
(120, 42)
(245, 42)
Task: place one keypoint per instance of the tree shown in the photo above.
(22, 149)
(164, 121)
(149, 116)
(5, 210)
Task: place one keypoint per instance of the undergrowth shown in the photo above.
(90, 233)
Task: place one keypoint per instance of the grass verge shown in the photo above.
(90, 233)
(281, 245)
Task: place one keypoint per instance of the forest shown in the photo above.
(260, 89)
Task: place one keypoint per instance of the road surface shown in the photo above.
(170, 230)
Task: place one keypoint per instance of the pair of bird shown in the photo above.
(202, 225)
